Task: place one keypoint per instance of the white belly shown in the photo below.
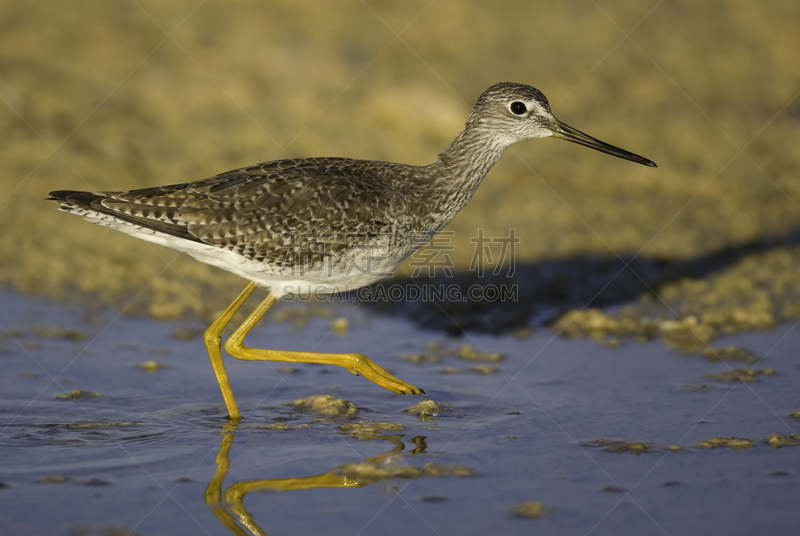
(363, 267)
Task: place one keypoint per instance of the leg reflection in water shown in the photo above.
(229, 506)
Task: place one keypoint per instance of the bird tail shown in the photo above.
(91, 206)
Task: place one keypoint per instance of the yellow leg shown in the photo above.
(355, 363)
(213, 340)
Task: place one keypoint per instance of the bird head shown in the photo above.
(515, 112)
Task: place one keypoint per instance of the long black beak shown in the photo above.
(566, 132)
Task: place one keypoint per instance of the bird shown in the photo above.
(324, 225)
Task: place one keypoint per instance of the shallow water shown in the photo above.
(154, 453)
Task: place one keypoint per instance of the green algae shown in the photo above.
(391, 467)
(426, 410)
(152, 366)
(530, 510)
(619, 446)
(78, 394)
(777, 441)
(369, 431)
(746, 375)
(733, 443)
(326, 407)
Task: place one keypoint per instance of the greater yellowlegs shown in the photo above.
(320, 225)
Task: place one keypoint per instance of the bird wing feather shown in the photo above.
(279, 210)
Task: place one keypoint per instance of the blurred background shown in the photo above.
(129, 94)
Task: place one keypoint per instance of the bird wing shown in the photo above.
(286, 210)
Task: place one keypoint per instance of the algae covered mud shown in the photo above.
(104, 97)
(641, 376)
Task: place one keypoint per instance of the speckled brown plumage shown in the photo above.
(252, 211)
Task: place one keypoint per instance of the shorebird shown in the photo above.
(320, 225)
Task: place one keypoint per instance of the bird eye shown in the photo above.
(518, 107)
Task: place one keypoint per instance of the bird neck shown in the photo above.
(473, 153)
(462, 166)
